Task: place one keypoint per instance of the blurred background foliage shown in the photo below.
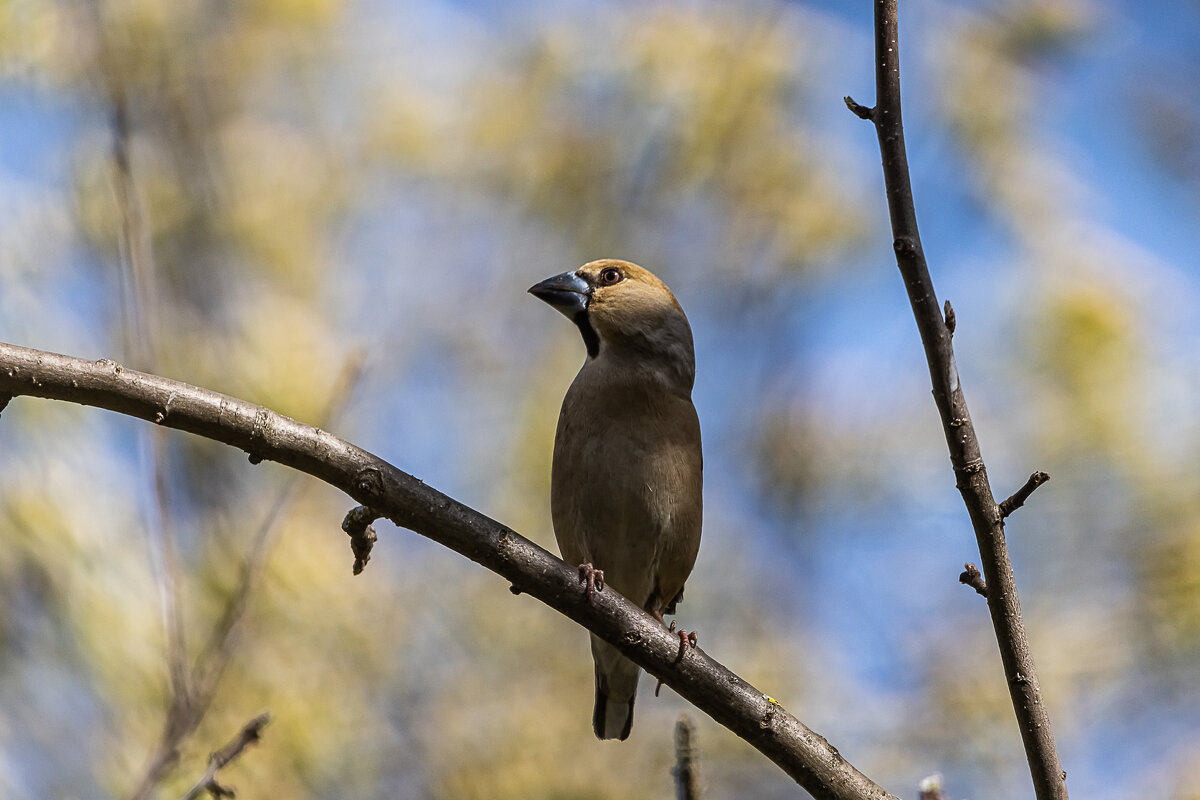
(320, 185)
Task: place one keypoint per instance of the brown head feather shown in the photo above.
(636, 316)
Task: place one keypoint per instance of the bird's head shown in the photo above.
(625, 312)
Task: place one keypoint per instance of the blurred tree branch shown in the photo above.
(141, 338)
(804, 755)
(987, 518)
(192, 686)
(250, 733)
(687, 766)
(192, 694)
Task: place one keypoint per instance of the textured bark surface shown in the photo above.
(937, 331)
(804, 755)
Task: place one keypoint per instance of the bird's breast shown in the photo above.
(626, 483)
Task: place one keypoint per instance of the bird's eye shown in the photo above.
(610, 276)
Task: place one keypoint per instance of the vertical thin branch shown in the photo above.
(1048, 778)
(139, 303)
(187, 711)
(687, 767)
(191, 688)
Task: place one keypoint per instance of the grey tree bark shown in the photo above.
(389, 492)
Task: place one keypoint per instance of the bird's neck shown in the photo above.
(657, 372)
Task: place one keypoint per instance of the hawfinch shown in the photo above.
(625, 492)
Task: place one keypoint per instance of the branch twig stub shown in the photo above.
(971, 576)
(1021, 495)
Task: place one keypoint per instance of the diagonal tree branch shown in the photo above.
(250, 733)
(1048, 778)
(804, 755)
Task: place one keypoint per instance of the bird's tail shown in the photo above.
(616, 689)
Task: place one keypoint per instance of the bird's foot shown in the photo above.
(686, 639)
(593, 578)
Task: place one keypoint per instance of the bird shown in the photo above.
(627, 473)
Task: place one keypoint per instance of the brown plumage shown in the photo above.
(626, 482)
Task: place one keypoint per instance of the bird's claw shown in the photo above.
(594, 578)
(686, 639)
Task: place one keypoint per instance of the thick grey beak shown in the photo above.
(567, 292)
